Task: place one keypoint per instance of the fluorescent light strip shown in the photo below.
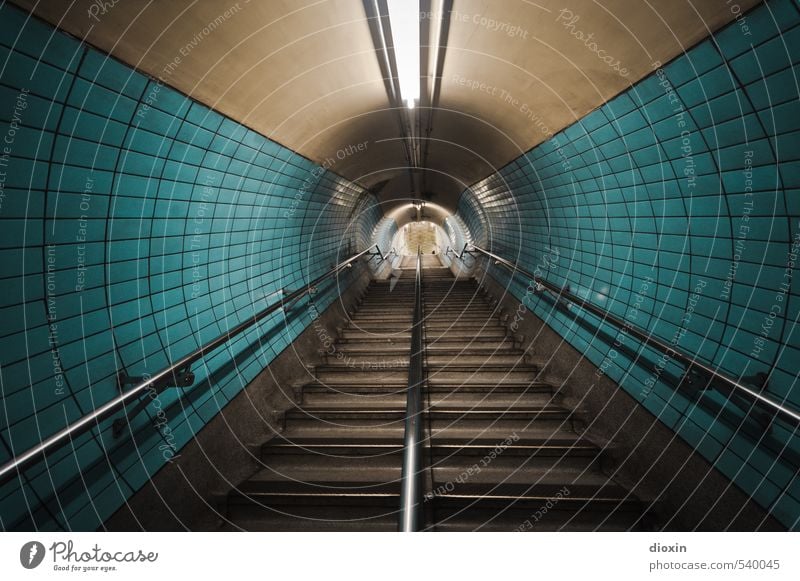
(404, 18)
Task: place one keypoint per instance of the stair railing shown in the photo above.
(693, 367)
(410, 518)
(176, 375)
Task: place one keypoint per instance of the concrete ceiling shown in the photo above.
(306, 74)
(544, 75)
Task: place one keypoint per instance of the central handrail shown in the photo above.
(169, 374)
(691, 363)
(410, 480)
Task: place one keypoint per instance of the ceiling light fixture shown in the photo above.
(404, 19)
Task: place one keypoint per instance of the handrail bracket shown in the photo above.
(180, 378)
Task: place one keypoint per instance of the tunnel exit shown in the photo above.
(426, 236)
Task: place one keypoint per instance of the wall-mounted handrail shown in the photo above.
(460, 255)
(167, 375)
(410, 518)
(691, 363)
(379, 253)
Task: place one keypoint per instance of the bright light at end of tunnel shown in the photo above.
(404, 17)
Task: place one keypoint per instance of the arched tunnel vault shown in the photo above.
(174, 164)
(306, 73)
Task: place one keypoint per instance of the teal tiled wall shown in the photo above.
(136, 225)
(384, 233)
(676, 206)
(457, 232)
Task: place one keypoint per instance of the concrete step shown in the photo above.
(407, 291)
(360, 335)
(377, 326)
(383, 315)
(497, 332)
(337, 375)
(502, 348)
(428, 320)
(580, 474)
(322, 491)
(446, 309)
(293, 506)
(474, 324)
(368, 361)
(439, 312)
(536, 513)
(453, 299)
(395, 373)
(432, 319)
(428, 315)
(504, 351)
(249, 515)
(476, 354)
(389, 322)
(438, 359)
(439, 327)
(332, 399)
(371, 341)
(474, 344)
(554, 427)
(482, 375)
(595, 491)
(371, 346)
(440, 447)
(382, 414)
(393, 303)
(455, 333)
(467, 312)
(441, 387)
(451, 280)
(401, 300)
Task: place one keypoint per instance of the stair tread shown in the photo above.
(397, 386)
(555, 431)
(604, 493)
(532, 446)
(505, 400)
(439, 408)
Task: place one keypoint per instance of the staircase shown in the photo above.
(501, 453)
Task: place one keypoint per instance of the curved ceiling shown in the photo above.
(306, 73)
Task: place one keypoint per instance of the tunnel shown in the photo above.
(432, 265)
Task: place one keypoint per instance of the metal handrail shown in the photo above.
(460, 255)
(170, 374)
(410, 518)
(690, 363)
